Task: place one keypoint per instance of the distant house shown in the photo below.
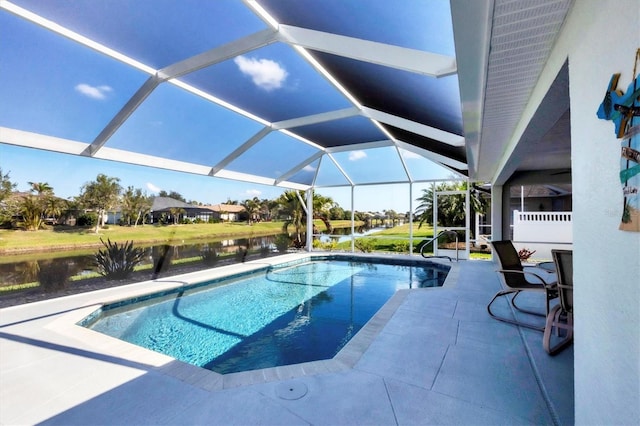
(226, 212)
(164, 209)
(16, 198)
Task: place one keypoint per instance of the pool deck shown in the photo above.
(430, 356)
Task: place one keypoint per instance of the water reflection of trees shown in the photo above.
(26, 271)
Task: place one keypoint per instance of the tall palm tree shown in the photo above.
(252, 208)
(291, 207)
(41, 188)
(322, 210)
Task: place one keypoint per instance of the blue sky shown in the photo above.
(67, 173)
(52, 85)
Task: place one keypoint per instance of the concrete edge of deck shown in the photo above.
(346, 358)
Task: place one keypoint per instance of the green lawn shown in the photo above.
(396, 240)
(68, 238)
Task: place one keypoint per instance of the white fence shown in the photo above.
(542, 232)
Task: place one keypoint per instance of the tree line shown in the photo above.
(32, 210)
(105, 193)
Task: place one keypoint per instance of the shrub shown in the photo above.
(329, 245)
(53, 275)
(264, 251)
(87, 219)
(209, 256)
(401, 247)
(365, 245)
(117, 261)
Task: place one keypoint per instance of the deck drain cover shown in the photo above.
(291, 390)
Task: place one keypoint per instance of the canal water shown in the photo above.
(22, 269)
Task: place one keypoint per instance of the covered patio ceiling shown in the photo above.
(291, 93)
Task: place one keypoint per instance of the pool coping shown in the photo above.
(68, 325)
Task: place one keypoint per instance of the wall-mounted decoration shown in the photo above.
(624, 110)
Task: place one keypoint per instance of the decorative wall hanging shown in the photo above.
(624, 110)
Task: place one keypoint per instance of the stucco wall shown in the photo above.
(601, 38)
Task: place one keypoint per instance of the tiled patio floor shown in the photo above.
(434, 356)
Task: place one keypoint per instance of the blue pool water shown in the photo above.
(280, 316)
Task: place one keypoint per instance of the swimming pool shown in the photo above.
(279, 315)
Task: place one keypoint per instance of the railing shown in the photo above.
(434, 240)
(542, 231)
(542, 227)
(542, 216)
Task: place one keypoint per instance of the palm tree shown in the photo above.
(451, 210)
(53, 207)
(101, 195)
(32, 210)
(44, 194)
(322, 210)
(292, 208)
(252, 208)
(175, 213)
(41, 188)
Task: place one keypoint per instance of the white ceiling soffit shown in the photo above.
(415, 61)
(500, 58)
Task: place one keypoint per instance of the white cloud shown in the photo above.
(357, 155)
(93, 92)
(309, 168)
(151, 187)
(409, 155)
(264, 73)
(253, 193)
